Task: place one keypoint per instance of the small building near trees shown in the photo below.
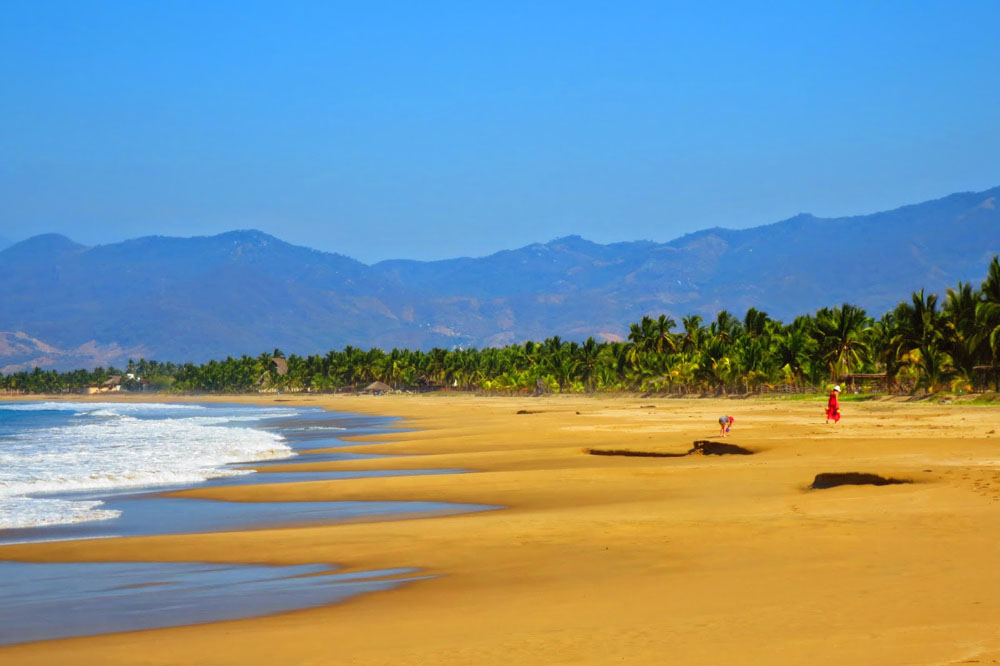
(377, 388)
(112, 383)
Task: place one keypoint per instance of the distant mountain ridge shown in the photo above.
(191, 299)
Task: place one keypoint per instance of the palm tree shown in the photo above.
(642, 334)
(793, 350)
(693, 333)
(715, 365)
(663, 339)
(841, 333)
(920, 321)
(987, 336)
(725, 327)
(753, 362)
(961, 341)
(885, 343)
(934, 365)
(755, 322)
(991, 286)
(589, 361)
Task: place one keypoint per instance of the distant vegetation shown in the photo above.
(919, 345)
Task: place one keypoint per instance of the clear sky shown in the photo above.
(428, 130)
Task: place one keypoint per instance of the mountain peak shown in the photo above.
(572, 242)
(42, 245)
(247, 236)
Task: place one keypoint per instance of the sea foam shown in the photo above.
(66, 447)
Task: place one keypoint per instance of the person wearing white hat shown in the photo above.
(833, 405)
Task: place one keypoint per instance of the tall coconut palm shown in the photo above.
(934, 365)
(841, 337)
(725, 327)
(793, 350)
(589, 361)
(887, 349)
(755, 322)
(693, 333)
(753, 362)
(961, 339)
(715, 364)
(988, 338)
(642, 335)
(991, 285)
(920, 321)
(663, 339)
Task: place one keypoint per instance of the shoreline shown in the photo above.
(148, 510)
(602, 558)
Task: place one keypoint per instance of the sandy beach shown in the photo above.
(698, 559)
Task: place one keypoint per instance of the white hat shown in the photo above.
(837, 388)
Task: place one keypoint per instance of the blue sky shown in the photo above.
(430, 130)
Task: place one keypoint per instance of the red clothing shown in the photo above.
(833, 407)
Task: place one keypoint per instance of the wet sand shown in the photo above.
(699, 559)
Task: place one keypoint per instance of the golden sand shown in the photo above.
(607, 559)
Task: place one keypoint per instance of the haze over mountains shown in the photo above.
(65, 305)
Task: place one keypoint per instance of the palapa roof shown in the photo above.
(280, 365)
(113, 380)
(378, 386)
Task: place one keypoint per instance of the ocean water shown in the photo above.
(48, 448)
(59, 600)
(91, 470)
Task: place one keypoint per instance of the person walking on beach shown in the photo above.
(833, 405)
(725, 422)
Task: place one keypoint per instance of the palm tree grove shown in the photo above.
(925, 344)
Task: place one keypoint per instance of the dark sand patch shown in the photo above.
(636, 454)
(834, 479)
(710, 448)
(702, 446)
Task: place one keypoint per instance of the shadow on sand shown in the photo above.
(702, 446)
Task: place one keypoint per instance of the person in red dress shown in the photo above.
(833, 405)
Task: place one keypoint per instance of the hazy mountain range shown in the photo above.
(66, 305)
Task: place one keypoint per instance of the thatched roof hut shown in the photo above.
(280, 365)
(862, 380)
(113, 380)
(378, 387)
